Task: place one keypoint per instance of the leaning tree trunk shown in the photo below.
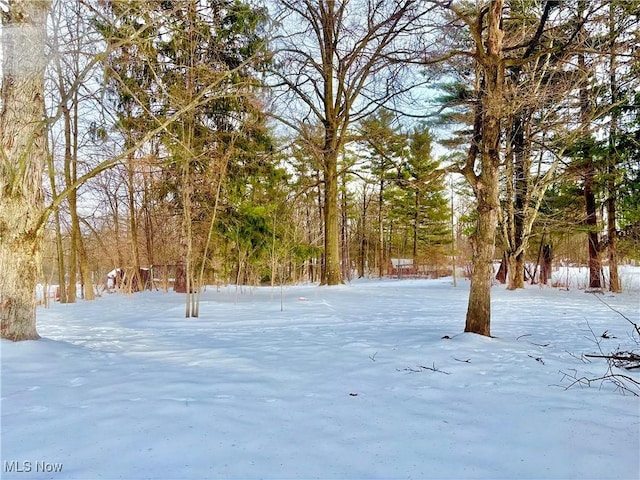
(22, 161)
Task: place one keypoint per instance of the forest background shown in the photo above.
(219, 141)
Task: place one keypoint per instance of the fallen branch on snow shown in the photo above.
(616, 360)
(626, 360)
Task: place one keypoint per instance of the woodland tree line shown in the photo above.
(277, 141)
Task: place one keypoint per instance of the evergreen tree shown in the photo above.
(424, 204)
(195, 76)
(384, 142)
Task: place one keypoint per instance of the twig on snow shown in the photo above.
(581, 357)
(468, 360)
(532, 343)
(635, 325)
(623, 383)
(537, 359)
(422, 368)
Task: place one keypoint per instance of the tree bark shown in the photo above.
(24, 153)
(478, 319)
(332, 274)
(85, 271)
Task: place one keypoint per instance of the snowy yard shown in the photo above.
(354, 381)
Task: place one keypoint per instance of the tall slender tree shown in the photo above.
(384, 142)
(71, 40)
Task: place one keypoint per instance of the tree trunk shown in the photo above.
(486, 183)
(85, 271)
(591, 221)
(545, 269)
(187, 186)
(416, 221)
(116, 231)
(318, 273)
(23, 143)
(187, 232)
(589, 171)
(147, 216)
(612, 233)
(72, 199)
(520, 188)
(515, 268)
(332, 274)
(62, 284)
(478, 318)
(133, 222)
(344, 230)
(501, 276)
(362, 239)
(381, 229)
(612, 236)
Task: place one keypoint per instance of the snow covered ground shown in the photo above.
(354, 381)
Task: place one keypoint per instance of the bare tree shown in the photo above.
(72, 44)
(503, 43)
(339, 62)
(481, 167)
(536, 85)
